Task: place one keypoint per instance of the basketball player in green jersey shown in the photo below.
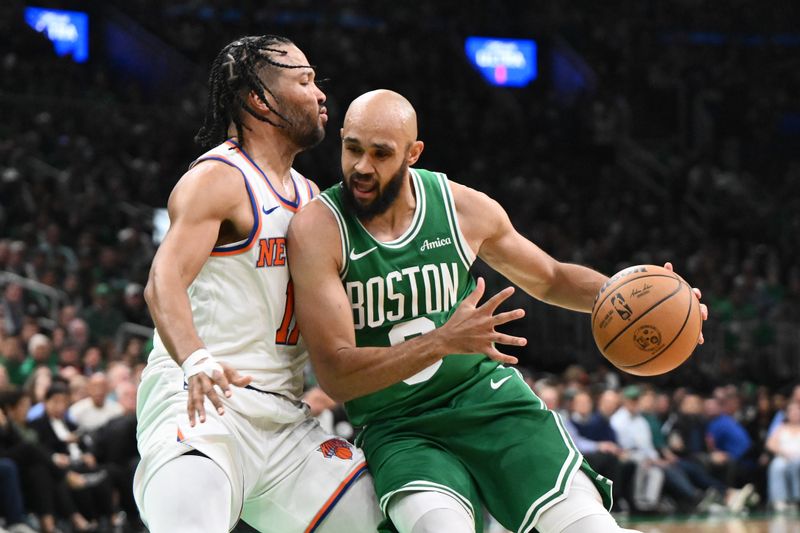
(391, 317)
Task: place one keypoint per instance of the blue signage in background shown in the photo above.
(508, 62)
(68, 30)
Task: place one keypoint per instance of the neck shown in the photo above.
(392, 223)
(270, 149)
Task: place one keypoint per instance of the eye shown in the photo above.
(353, 149)
(380, 154)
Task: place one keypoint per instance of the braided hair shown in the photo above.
(234, 74)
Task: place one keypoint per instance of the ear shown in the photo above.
(415, 151)
(255, 102)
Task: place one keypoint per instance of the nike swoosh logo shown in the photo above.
(268, 211)
(355, 257)
(497, 384)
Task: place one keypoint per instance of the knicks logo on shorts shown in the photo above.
(338, 447)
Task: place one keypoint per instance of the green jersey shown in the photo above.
(404, 288)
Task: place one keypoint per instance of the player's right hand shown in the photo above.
(471, 327)
(202, 386)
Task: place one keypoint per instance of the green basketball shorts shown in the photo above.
(494, 444)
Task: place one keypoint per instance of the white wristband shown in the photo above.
(200, 361)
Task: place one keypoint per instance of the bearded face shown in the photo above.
(303, 126)
(382, 196)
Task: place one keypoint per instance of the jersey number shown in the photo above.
(408, 330)
(285, 335)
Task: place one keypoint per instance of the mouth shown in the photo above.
(363, 189)
(323, 114)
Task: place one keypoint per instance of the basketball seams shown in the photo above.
(656, 304)
(599, 303)
(676, 337)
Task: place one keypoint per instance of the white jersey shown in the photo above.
(242, 299)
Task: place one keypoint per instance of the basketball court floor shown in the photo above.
(756, 523)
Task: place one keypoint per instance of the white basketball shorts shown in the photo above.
(285, 472)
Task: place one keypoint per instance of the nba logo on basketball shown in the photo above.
(338, 447)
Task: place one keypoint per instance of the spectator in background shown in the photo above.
(69, 356)
(728, 443)
(11, 506)
(13, 309)
(57, 435)
(605, 456)
(633, 436)
(92, 360)
(598, 428)
(56, 253)
(46, 479)
(114, 445)
(36, 388)
(647, 406)
(134, 307)
(12, 356)
(17, 262)
(78, 388)
(783, 474)
(97, 409)
(687, 440)
(58, 337)
(133, 352)
(5, 380)
(40, 353)
(78, 333)
(758, 426)
(102, 317)
(118, 372)
(780, 414)
(5, 245)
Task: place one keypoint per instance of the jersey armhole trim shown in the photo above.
(464, 251)
(344, 239)
(241, 246)
(291, 206)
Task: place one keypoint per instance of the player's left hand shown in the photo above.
(703, 307)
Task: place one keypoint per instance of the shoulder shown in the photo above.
(313, 239)
(209, 183)
(468, 199)
(315, 216)
(477, 208)
(316, 225)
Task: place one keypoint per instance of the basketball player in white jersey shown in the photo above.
(226, 347)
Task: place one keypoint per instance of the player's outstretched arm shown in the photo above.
(325, 318)
(488, 230)
(204, 197)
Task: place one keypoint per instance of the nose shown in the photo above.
(362, 165)
(321, 98)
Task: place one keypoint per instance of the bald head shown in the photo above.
(382, 112)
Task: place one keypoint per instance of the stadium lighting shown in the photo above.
(68, 30)
(504, 62)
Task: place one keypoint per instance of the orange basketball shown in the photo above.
(646, 320)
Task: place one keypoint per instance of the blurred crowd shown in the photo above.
(729, 450)
(674, 149)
